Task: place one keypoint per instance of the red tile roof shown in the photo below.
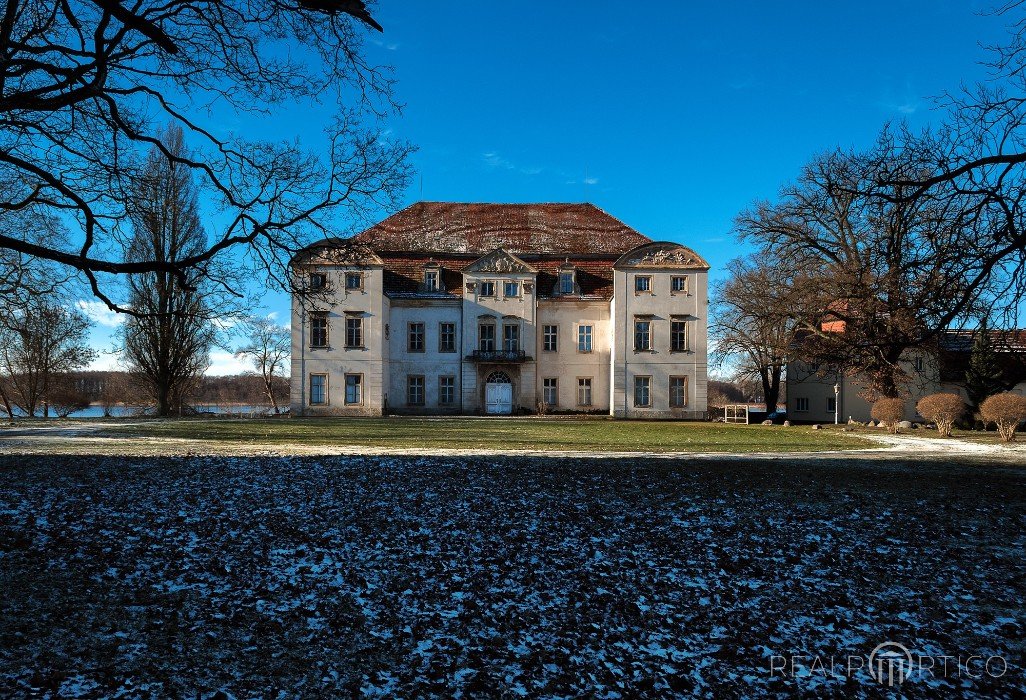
(451, 227)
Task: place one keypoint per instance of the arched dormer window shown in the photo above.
(432, 277)
(567, 283)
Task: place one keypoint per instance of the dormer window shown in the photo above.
(318, 280)
(566, 282)
(431, 280)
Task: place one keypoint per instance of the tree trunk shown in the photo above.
(771, 387)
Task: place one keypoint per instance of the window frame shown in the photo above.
(505, 289)
(685, 289)
(314, 319)
(831, 400)
(410, 381)
(585, 384)
(357, 319)
(683, 379)
(435, 274)
(410, 336)
(550, 331)
(486, 284)
(322, 276)
(359, 384)
(442, 389)
(480, 336)
(647, 279)
(359, 278)
(581, 335)
(554, 388)
(643, 335)
(565, 275)
(799, 401)
(442, 334)
(506, 328)
(326, 396)
(686, 332)
(648, 390)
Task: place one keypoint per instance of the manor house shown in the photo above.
(448, 308)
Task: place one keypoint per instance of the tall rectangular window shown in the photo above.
(643, 391)
(678, 392)
(831, 404)
(446, 337)
(415, 390)
(642, 283)
(431, 280)
(566, 282)
(550, 334)
(488, 289)
(354, 281)
(642, 334)
(486, 337)
(550, 391)
(318, 280)
(679, 336)
(319, 331)
(584, 339)
(318, 389)
(511, 289)
(446, 390)
(416, 337)
(354, 389)
(679, 284)
(354, 332)
(584, 391)
(801, 404)
(510, 338)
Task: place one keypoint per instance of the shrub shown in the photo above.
(1006, 410)
(889, 412)
(943, 409)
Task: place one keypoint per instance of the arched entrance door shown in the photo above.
(498, 394)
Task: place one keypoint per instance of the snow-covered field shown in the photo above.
(500, 577)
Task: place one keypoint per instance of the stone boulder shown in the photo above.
(767, 422)
(817, 426)
(787, 424)
(906, 424)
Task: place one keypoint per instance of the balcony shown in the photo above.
(504, 356)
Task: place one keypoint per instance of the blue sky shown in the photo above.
(672, 116)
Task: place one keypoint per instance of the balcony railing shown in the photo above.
(498, 356)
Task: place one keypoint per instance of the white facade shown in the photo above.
(496, 342)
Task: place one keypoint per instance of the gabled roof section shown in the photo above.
(340, 252)
(661, 255)
(454, 227)
(499, 261)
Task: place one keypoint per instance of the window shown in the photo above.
(511, 289)
(566, 282)
(550, 391)
(446, 337)
(678, 392)
(487, 289)
(416, 337)
(446, 390)
(584, 339)
(801, 404)
(584, 391)
(318, 280)
(511, 338)
(679, 284)
(642, 335)
(318, 389)
(486, 337)
(549, 336)
(354, 389)
(679, 340)
(354, 281)
(431, 280)
(918, 363)
(642, 283)
(319, 331)
(415, 390)
(831, 404)
(354, 332)
(643, 391)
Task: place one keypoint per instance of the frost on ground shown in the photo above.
(388, 577)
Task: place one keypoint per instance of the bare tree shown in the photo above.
(38, 342)
(168, 339)
(268, 347)
(86, 86)
(751, 322)
(878, 273)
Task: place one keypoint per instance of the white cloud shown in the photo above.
(222, 363)
(98, 313)
(106, 361)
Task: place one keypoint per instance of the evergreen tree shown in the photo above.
(984, 376)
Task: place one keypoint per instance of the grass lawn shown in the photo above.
(599, 435)
(416, 577)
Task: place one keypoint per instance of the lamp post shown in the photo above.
(837, 404)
